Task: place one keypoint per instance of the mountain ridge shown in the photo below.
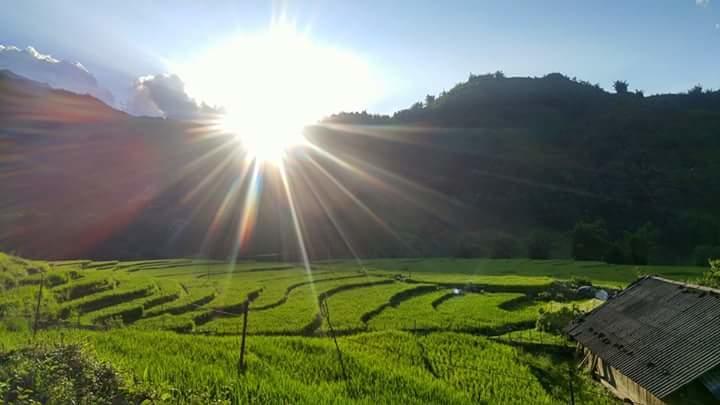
(129, 187)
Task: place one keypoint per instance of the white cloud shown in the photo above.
(164, 95)
(702, 3)
(34, 65)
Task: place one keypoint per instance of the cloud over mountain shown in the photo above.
(164, 95)
(72, 76)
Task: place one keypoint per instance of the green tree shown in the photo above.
(539, 246)
(639, 243)
(429, 100)
(621, 86)
(590, 241)
(696, 90)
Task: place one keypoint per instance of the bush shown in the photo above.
(503, 248)
(59, 375)
(711, 278)
(555, 322)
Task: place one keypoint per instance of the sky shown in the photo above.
(414, 47)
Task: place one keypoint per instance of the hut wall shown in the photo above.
(620, 385)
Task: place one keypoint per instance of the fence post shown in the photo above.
(570, 379)
(244, 334)
(37, 306)
(325, 312)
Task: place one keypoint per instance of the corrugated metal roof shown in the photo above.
(660, 333)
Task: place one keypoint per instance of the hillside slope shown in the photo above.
(495, 156)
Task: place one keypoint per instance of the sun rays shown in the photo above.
(260, 174)
(272, 84)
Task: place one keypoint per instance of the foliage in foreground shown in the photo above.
(59, 374)
(711, 278)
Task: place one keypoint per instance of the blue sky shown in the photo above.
(417, 47)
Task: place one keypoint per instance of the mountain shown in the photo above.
(494, 158)
(60, 74)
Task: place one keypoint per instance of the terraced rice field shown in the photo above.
(417, 331)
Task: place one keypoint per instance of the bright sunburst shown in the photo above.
(273, 84)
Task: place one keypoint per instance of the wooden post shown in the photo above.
(244, 334)
(325, 312)
(570, 379)
(37, 306)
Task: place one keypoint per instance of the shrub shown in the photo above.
(556, 321)
(59, 375)
(711, 278)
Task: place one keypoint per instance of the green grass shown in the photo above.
(386, 367)
(177, 342)
(348, 308)
(464, 312)
(525, 271)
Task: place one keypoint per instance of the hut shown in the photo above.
(656, 342)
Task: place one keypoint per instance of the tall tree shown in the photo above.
(621, 86)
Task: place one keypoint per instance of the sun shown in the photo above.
(273, 84)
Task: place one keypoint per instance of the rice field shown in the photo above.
(408, 331)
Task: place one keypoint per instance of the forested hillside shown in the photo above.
(505, 165)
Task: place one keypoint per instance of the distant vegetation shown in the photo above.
(644, 165)
(549, 167)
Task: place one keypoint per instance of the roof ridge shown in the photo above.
(685, 284)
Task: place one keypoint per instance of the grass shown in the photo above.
(348, 307)
(438, 368)
(463, 312)
(376, 312)
(526, 271)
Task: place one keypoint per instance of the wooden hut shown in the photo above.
(656, 342)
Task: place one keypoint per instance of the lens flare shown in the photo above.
(271, 85)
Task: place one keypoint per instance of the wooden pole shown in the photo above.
(37, 306)
(570, 379)
(244, 334)
(325, 311)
